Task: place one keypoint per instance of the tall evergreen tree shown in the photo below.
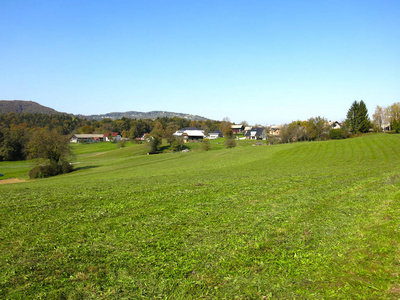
(363, 118)
(357, 118)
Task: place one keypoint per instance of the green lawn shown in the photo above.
(317, 220)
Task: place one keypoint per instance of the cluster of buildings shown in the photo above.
(249, 132)
(95, 137)
(193, 133)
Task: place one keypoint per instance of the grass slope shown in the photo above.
(306, 221)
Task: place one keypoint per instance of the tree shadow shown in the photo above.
(164, 147)
(84, 168)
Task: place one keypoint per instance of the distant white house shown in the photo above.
(190, 133)
(335, 125)
(215, 134)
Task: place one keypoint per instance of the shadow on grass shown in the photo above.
(168, 148)
(84, 168)
(164, 148)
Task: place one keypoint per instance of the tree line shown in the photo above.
(318, 128)
(17, 129)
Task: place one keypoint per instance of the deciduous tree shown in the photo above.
(226, 128)
(378, 118)
(12, 144)
(169, 133)
(392, 113)
(317, 128)
(49, 145)
(53, 151)
(158, 131)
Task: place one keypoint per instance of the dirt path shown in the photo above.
(11, 180)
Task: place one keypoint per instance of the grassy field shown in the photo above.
(317, 220)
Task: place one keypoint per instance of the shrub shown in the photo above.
(337, 134)
(66, 167)
(177, 145)
(121, 143)
(229, 143)
(37, 172)
(51, 169)
(206, 145)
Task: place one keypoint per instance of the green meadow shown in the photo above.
(313, 220)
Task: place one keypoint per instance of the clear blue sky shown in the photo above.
(266, 62)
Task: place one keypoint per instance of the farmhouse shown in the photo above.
(142, 138)
(236, 129)
(190, 133)
(247, 128)
(86, 138)
(256, 133)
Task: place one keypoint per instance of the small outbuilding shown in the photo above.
(215, 134)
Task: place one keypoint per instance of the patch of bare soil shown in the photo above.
(395, 290)
(11, 180)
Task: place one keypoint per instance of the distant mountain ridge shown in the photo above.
(23, 106)
(147, 115)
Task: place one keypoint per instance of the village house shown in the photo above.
(275, 130)
(190, 134)
(113, 137)
(141, 139)
(215, 134)
(237, 129)
(247, 128)
(334, 125)
(256, 133)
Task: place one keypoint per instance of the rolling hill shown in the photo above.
(22, 106)
(313, 220)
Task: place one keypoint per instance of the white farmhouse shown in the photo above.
(190, 133)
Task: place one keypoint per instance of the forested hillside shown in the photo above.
(21, 106)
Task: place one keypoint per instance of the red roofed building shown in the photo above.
(112, 136)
